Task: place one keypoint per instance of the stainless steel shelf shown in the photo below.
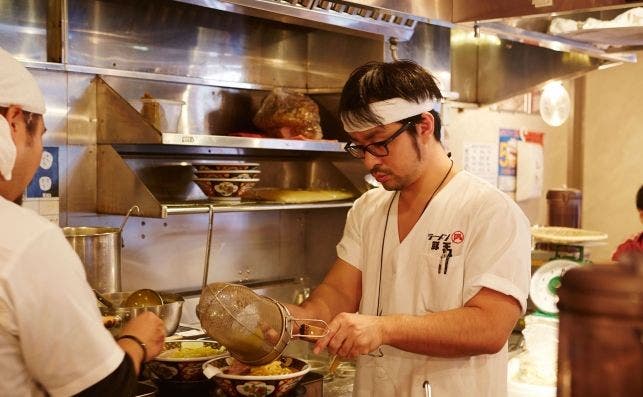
(251, 143)
(243, 206)
(121, 124)
(170, 78)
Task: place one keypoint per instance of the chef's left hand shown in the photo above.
(350, 335)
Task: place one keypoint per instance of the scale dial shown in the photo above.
(545, 282)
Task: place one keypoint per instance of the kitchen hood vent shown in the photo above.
(323, 14)
(529, 21)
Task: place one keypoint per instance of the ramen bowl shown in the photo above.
(182, 360)
(241, 385)
(218, 166)
(236, 174)
(225, 188)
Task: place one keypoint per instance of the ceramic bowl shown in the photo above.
(167, 367)
(256, 386)
(236, 174)
(225, 188)
(225, 166)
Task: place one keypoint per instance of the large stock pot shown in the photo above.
(99, 248)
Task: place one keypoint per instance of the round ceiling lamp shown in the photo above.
(555, 104)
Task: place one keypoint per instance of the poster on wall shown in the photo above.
(530, 166)
(507, 158)
(480, 160)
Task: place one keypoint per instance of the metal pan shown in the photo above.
(115, 319)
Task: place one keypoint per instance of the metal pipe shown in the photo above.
(206, 265)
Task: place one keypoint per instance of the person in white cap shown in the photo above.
(52, 340)
(433, 269)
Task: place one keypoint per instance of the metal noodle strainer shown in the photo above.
(255, 329)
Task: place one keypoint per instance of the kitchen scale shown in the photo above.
(533, 372)
(568, 245)
(545, 283)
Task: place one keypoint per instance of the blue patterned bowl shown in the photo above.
(166, 367)
(256, 385)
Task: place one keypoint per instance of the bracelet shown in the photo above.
(140, 343)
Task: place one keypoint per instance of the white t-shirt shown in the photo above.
(470, 236)
(51, 335)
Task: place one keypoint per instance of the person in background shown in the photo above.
(52, 341)
(633, 244)
(433, 268)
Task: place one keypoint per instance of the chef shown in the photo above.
(433, 269)
(52, 341)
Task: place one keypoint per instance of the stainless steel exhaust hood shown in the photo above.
(497, 49)
(352, 16)
(524, 21)
(527, 21)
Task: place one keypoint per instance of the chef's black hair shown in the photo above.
(639, 199)
(377, 81)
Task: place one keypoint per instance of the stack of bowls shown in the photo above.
(226, 180)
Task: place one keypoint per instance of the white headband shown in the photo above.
(17, 87)
(389, 111)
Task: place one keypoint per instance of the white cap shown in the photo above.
(17, 87)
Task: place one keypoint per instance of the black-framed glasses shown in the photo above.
(378, 149)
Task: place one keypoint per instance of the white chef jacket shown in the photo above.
(51, 335)
(485, 237)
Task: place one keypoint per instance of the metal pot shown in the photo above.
(99, 248)
(115, 319)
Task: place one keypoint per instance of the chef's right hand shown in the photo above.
(149, 328)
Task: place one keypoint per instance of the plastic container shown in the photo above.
(541, 342)
(564, 207)
(163, 114)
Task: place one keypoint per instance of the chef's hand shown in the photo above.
(350, 335)
(149, 329)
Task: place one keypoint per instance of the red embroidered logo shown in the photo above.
(457, 237)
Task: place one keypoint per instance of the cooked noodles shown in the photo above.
(274, 368)
(192, 352)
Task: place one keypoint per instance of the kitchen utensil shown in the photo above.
(104, 300)
(145, 390)
(99, 248)
(255, 329)
(143, 298)
(169, 311)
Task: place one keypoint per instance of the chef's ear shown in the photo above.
(14, 115)
(426, 124)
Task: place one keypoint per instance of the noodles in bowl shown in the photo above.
(181, 360)
(273, 379)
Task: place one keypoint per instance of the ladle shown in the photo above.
(104, 301)
(143, 298)
(133, 208)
